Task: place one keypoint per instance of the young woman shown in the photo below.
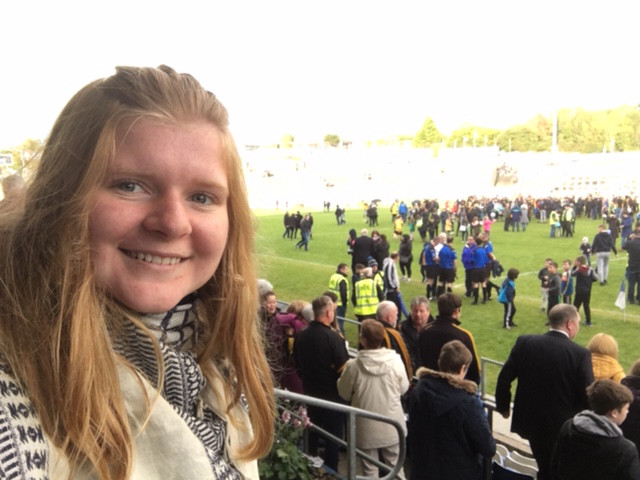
(128, 300)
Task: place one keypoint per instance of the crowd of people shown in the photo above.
(446, 419)
(396, 343)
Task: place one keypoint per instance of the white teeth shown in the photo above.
(147, 257)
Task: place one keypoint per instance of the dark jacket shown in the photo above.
(631, 426)
(603, 242)
(436, 334)
(448, 429)
(362, 250)
(553, 373)
(585, 276)
(410, 336)
(592, 446)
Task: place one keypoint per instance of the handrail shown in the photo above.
(483, 361)
(350, 443)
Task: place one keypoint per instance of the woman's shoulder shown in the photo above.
(25, 451)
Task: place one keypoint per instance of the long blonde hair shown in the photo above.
(54, 319)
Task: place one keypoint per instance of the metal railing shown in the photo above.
(351, 412)
(350, 443)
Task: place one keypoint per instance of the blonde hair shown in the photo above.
(603, 344)
(54, 319)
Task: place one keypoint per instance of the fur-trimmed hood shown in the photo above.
(441, 393)
(467, 385)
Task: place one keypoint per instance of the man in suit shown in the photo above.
(362, 249)
(553, 374)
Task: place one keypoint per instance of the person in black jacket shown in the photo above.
(445, 328)
(591, 444)
(553, 373)
(631, 426)
(602, 246)
(448, 433)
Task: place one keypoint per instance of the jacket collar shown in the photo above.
(440, 319)
(467, 385)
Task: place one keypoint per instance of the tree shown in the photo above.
(427, 135)
(332, 139)
(464, 136)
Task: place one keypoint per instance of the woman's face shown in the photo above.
(160, 225)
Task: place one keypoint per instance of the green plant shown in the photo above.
(286, 461)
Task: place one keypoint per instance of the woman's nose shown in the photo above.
(169, 216)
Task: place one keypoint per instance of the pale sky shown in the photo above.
(360, 69)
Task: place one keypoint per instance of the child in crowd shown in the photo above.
(554, 286)
(604, 358)
(585, 276)
(486, 224)
(543, 276)
(585, 247)
(566, 284)
(506, 297)
(591, 444)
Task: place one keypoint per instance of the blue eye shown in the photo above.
(202, 199)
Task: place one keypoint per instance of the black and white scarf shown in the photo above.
(176, 333)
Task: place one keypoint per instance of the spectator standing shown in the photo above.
(380, 247)
(445, 328)
(555, 285)
(566, 282)
(446, 259)
(374, 381)
(585, 276)
(553, 373)
(320, 354)
(585, 248)
(362, 249)
(632, 247)
(468, 253)
(626, 224)
(428, 260)
(406, 257)
(392, 283)
(339, 284)
(479, 273)
(602, 246)
(410, 329)
(288, 221)
(543, 276)
(591, 444)
(524, 216)
(604, 358)
(449, 434)
(365, 296)
(305, 232)
(507, 296)
(387, 315)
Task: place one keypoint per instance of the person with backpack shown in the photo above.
(507, 295)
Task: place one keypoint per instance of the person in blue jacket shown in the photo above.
(479, 272)
(468, 252)
(446, 267)
(507, 296)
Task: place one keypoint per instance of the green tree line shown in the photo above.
(613, 130)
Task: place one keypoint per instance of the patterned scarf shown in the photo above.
(176, 333)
